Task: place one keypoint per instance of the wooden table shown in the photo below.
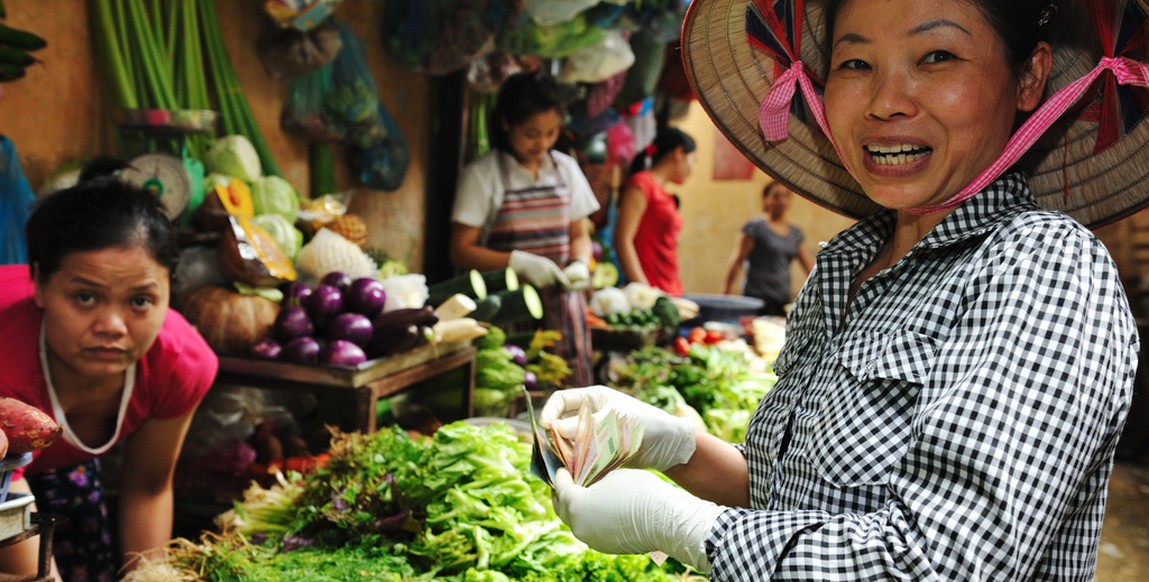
(363, 385)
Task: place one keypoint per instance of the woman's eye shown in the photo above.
(142, 302)
(85, 298)
(853, 65)
(939, 57)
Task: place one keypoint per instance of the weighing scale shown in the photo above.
(174, 176)
(170, 178)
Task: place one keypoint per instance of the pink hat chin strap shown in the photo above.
(774, 117)
(1126, 70)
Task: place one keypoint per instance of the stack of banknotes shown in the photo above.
(599, 445)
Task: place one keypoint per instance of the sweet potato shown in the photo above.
(27, 427)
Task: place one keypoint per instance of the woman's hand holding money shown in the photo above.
(667, 440)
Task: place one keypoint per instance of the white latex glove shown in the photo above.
(631, 511)
(537, 270)
(667, 440)
(578, 275)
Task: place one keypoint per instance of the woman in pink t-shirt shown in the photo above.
(646, 238)
(88, 338)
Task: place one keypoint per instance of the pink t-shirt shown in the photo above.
(656, 240)
(171, 378)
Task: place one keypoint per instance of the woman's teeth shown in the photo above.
(897, 155)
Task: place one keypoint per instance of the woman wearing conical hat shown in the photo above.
(959, 364)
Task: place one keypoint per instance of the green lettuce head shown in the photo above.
(233, 155)
(274, 195)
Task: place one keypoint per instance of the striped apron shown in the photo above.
(537, 220)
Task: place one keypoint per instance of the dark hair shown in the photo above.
(98, 214)
(1020, 24)
(102, 167)
(770, 186)
(665, 142)
(521, 97)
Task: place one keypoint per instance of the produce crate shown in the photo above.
(352, 393)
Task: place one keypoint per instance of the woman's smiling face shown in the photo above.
(920, 97)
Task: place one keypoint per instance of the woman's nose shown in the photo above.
(110, 322)
(891, 96)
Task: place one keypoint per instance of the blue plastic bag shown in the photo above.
(383, 165)
(16, 205)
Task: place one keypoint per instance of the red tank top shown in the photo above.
(656, 241)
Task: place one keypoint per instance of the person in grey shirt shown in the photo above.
(767, 245)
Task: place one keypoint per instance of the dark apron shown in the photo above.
(537, 220)
(84, 544)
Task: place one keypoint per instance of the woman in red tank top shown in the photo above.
(646, 238)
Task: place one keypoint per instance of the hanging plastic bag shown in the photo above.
(608, 57)
(354, 97)
(552, 12)
(383, 165)
(289, 52)
(582, 124)
(642, 77)
(464, 36)
(439, 37)
(304, 113)
(526, 37)
(300, 15)
(620, 145)
(600, 96)
(485, 75)
(643, 125)
(410, 30)
(17, 203)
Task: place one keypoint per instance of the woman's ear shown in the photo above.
(38, 291)
(1031, 87)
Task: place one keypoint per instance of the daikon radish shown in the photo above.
(458, 330)
(456, 306)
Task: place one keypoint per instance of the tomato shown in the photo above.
(714, 336)
(681, 346)
(697, 335)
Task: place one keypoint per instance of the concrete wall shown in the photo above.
(714, 211)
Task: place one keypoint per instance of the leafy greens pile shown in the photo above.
(721, 385)
(461, 505)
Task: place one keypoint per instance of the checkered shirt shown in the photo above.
(957, 423)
